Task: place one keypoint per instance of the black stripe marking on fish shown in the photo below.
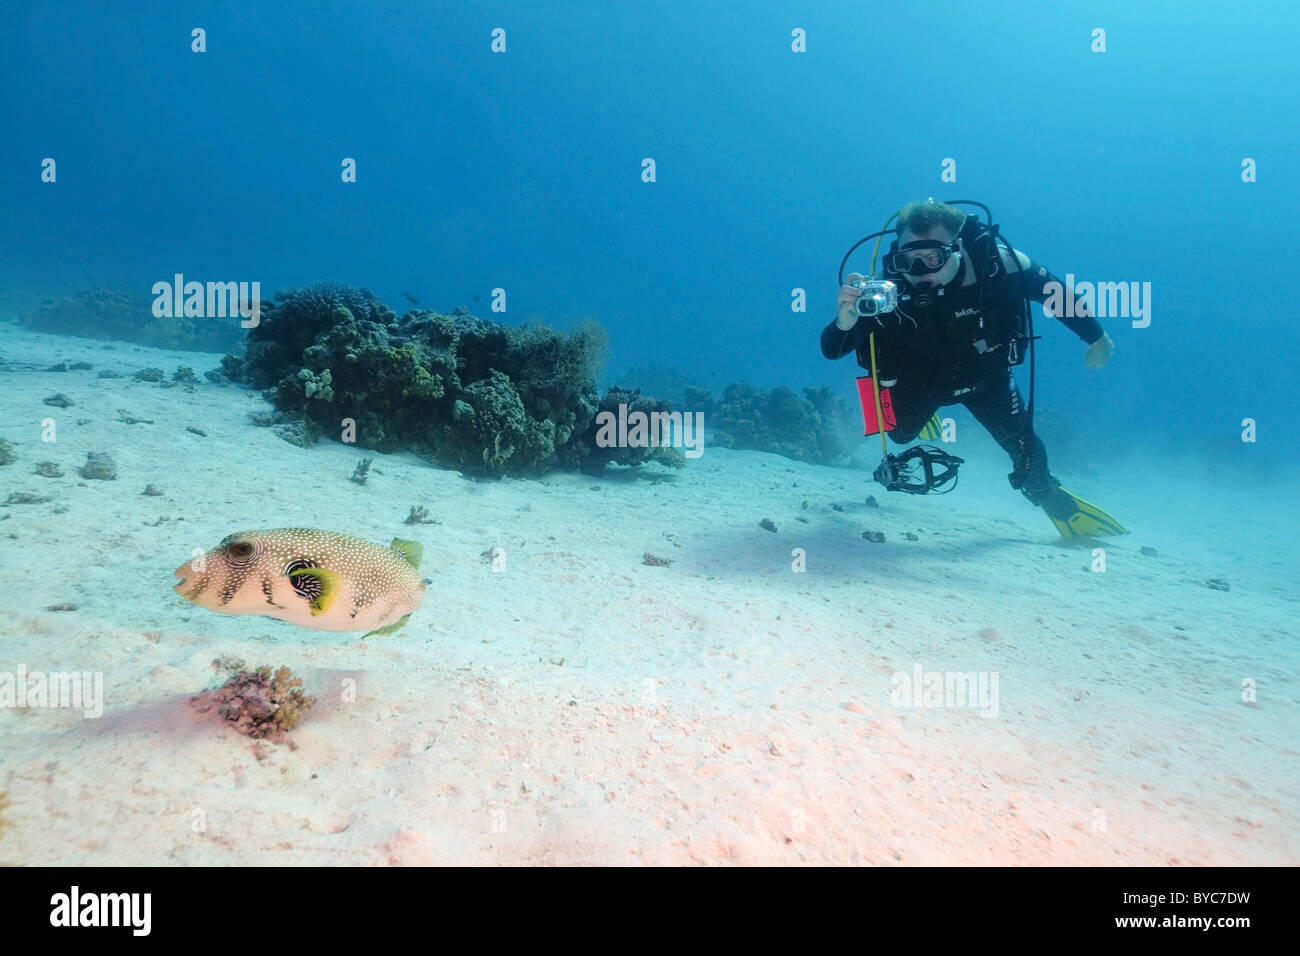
(266, 589)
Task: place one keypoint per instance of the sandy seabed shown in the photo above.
(578, 706)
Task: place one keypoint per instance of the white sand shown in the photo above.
(581, 707)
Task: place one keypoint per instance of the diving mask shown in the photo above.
(921, 258)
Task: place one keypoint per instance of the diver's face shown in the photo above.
(944, 275)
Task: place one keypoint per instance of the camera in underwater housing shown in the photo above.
(878, 296)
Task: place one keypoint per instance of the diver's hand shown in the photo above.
(1099, 352)
(846, 315)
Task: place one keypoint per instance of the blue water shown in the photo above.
(522, 171)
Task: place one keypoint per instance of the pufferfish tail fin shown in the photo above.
(413, 550)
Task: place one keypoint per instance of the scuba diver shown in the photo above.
(946, 324)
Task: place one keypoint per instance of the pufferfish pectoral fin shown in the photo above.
(413, 550)
(390, 629)
(328, 586)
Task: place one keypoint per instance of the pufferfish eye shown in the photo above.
(241, 551)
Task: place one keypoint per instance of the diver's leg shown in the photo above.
(999, 409)
(997, 405)
(916, 396)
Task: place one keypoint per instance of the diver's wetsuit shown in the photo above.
(941, 355)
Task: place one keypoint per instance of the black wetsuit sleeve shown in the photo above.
(836, 343)
(1041, 284)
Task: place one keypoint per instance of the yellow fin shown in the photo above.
(390, 629)
(1076, 518)
(331, 584)
(413, 550)
(933, 429)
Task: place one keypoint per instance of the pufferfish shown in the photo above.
(318, 579)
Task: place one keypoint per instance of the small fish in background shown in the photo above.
(411, 299)
(476, 298)
(324, 580)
